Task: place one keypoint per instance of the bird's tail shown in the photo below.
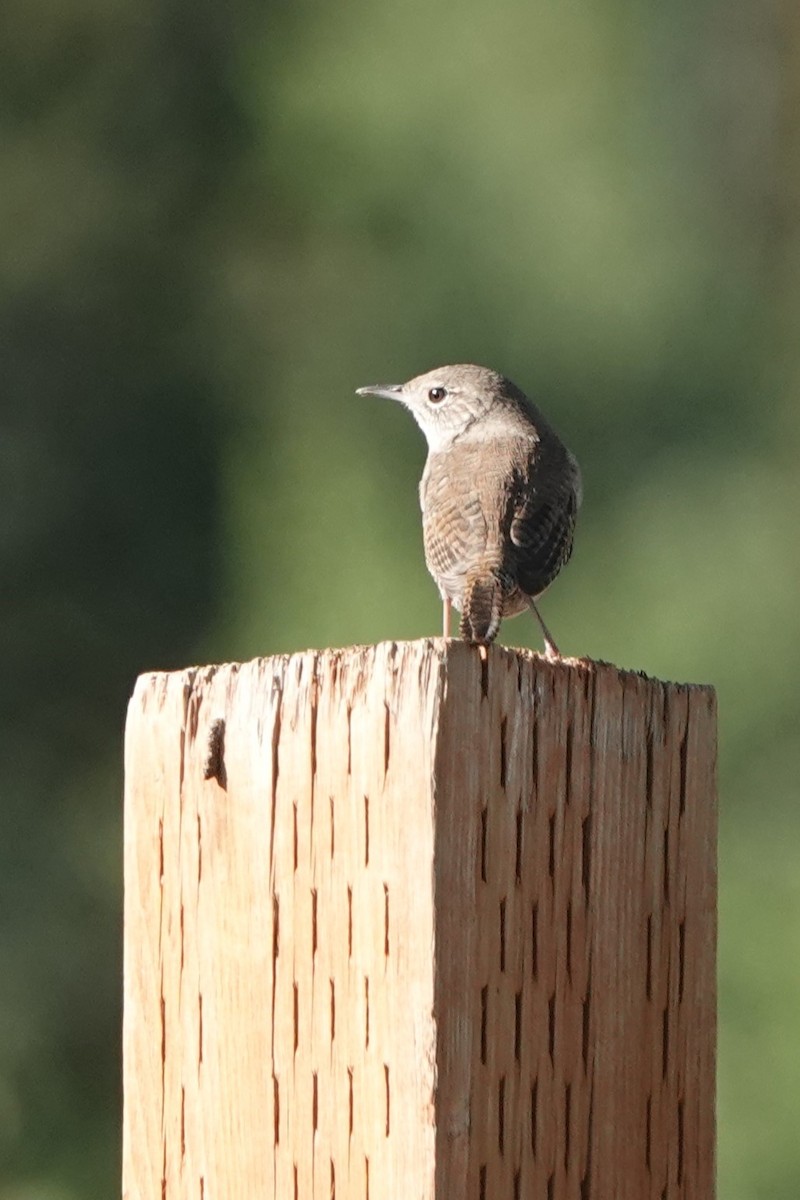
(482, 607)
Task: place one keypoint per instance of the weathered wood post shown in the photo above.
(431, 928)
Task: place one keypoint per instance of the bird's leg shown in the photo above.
(447, 607)
(551, 650)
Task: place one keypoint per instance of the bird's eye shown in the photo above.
(436, 395)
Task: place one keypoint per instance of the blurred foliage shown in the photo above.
(216, 223)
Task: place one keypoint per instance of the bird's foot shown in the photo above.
(551, 650)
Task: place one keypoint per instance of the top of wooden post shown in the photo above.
(358, 662)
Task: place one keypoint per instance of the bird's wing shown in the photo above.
(545, 508)
(454, 530)
(454, 520)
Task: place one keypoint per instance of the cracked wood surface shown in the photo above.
(399, 922)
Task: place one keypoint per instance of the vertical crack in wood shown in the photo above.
(666, 858)
(648, 1134)
(163, 1014)
(567, 1126)
(349, 740)
(484, 1022)
(517, 1026)
(568, 941)
(551, 857)
(387, 741)
(182, 749)
(276, 767)
(568, 773)
(313, 717)
(665, 1041)
(385, 920)
(683, 758)
(333, 1011)
(161, 854)
(551, 1028)
(585, 1027)
(199, 852)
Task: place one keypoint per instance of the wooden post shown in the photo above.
(403, 925)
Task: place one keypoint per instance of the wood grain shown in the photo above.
(401, 923)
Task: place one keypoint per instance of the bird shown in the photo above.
(499, 494)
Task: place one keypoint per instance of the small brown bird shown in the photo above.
(500, 494)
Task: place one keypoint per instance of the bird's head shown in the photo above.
(448, 401)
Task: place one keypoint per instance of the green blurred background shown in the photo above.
(215, 223)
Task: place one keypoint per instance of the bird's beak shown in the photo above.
(389, 391)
